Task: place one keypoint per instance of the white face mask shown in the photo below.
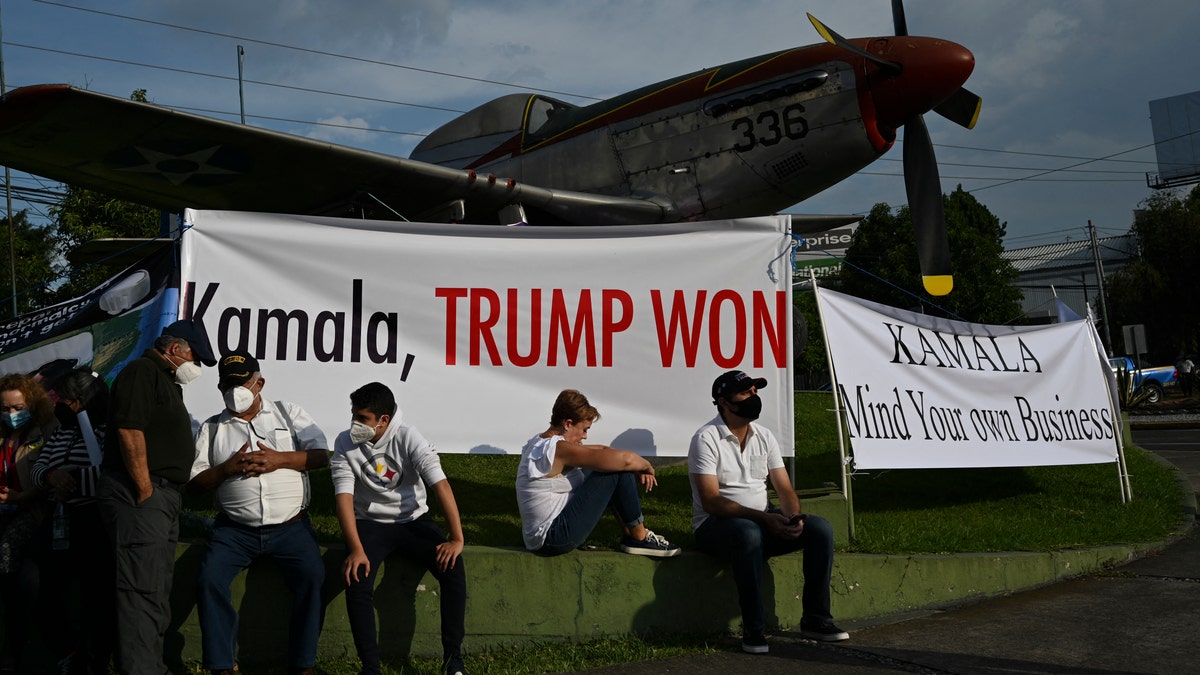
(361, 433)
(187, 372)
(239, 399)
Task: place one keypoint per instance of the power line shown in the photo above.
(292, 121)
(234, 79)
(315, 51)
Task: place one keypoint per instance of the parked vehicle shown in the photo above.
(1153, 380)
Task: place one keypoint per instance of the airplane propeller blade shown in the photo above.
(834, 39)
(962, 108)
(924, 188)
(898, 17)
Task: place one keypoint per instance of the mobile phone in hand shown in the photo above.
(797, 518)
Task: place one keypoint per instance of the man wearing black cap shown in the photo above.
(255, 453)
(729, 462)
(146, 461)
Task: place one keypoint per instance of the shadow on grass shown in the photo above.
(908, 489)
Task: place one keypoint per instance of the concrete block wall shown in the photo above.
(516, 597)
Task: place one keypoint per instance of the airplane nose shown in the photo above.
(931, 70)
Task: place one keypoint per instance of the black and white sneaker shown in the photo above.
(824, 632)
(755, 643)
(653, 545)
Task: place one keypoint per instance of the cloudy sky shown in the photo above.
(1064, 137)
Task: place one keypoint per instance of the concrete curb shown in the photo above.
(518, 598)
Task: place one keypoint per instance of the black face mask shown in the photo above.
(749, 408)
(66, 416)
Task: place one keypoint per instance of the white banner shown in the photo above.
(925, 392)
(477, 328)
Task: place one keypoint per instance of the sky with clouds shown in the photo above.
(1064, 137)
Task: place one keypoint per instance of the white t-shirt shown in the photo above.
(741, 473)
(541, 499)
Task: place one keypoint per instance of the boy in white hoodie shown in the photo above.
(380, 468)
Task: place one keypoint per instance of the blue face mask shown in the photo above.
(16, 420)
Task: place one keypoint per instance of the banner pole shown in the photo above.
(1114, 403)
(837, 410)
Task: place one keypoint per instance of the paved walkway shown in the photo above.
(1143, 617)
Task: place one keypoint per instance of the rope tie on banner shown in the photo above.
(394, 211)
(882, 280)
(790, 251)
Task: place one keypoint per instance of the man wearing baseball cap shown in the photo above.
(729, 463)
(147, 455)
(256, 454)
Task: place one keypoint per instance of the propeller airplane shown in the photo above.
(746, 138)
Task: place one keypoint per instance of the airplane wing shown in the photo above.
(171, 160)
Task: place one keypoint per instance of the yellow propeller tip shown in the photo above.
(938, 285)
(825, 34)
(975, 116)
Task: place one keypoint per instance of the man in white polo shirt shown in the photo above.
(729, 462)
(255, 453)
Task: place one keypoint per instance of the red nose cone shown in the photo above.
(931, 70)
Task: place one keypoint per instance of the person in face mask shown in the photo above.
(69, 468)
(148, 452)
(730, 460)
(380, 468)
(26, 420)
(256, 454)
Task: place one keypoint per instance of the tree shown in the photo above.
(1161, 289)
(84, 215)
(36, 267)
(885, 247)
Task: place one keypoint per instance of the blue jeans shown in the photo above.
(746, 545)
(587, 505)
(231, 549)
(417, 541)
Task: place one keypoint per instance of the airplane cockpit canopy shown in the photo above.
(542, 110)
(478, 132)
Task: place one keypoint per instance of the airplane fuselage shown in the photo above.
(742, 139)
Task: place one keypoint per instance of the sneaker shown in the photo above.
(652, 545)
(755, 643)
(454, 666)
(826, 632)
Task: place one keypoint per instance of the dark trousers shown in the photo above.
(747, 546)
(144, 538)
(416, 541)
(84, 570)
(231, 549)
(20, 588)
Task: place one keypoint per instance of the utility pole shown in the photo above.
(12, 226)
(241, 55)
(1100, 285)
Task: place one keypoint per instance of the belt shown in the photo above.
(226, 520)
(159, 481)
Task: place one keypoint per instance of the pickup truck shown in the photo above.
(1155, 381)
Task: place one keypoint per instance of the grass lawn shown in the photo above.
(901, 511)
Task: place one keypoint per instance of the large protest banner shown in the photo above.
(105, 328)
(926, 392)
(478, 328)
